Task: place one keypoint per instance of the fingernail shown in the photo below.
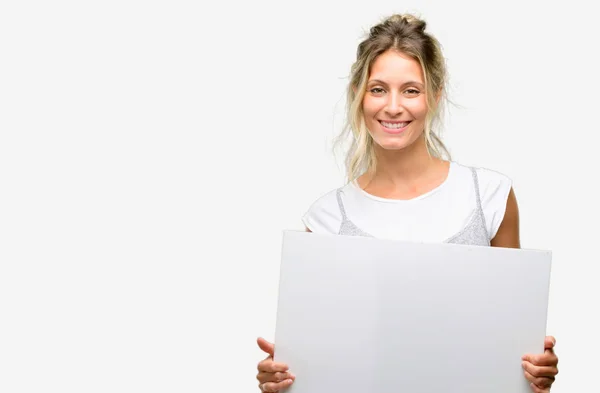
(523, 364)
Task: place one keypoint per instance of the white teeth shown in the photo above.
(395, 125)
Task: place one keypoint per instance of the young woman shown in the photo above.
(400, 186)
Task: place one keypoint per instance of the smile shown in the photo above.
(394, 127)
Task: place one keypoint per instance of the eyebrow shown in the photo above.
(377, 81)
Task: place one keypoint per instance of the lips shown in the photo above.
(394, 124)
(394, 127)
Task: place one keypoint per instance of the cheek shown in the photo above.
(367, 111)
(371, 106)
(418, 108)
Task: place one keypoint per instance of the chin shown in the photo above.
(396, 142)
(392, 145)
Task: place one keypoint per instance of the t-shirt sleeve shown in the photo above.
(324, 215)
(494, 188)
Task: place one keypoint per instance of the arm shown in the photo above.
(539, 369)
(508, 232)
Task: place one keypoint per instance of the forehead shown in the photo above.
(395, 67)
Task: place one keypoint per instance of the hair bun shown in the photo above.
(402, 20)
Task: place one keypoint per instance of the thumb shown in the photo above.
(549, 342)
(266, 346)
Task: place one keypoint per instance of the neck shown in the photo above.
(404, 166)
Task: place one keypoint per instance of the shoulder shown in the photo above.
(324, 214)
(494, 190)
(492, 182)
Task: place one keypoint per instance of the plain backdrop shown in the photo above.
(152, 153)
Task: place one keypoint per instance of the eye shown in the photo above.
(377, 91)
(411, 92)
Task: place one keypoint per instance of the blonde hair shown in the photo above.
(405, 34)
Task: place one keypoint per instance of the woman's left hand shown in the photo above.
(541, 369)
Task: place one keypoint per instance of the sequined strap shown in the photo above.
(478, 197)
(341, 204)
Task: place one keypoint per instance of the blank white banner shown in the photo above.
(362, 315)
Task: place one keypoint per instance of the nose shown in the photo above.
(394, 104)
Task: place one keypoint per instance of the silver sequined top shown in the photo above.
(474, 233)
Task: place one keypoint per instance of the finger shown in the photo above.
(542, 383)
(540, 371)
(274, 377)
(269, 366)
(266, 346)
(549, 342)
(550, 353)
(535, 389)
(547, 358)
(272, 387)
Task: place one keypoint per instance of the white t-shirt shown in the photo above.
(432, 217)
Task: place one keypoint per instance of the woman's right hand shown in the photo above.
(272, 377)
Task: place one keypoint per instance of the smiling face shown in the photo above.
(395, 103)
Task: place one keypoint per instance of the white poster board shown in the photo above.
(365, 315)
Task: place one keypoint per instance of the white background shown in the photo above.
(152, 152)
